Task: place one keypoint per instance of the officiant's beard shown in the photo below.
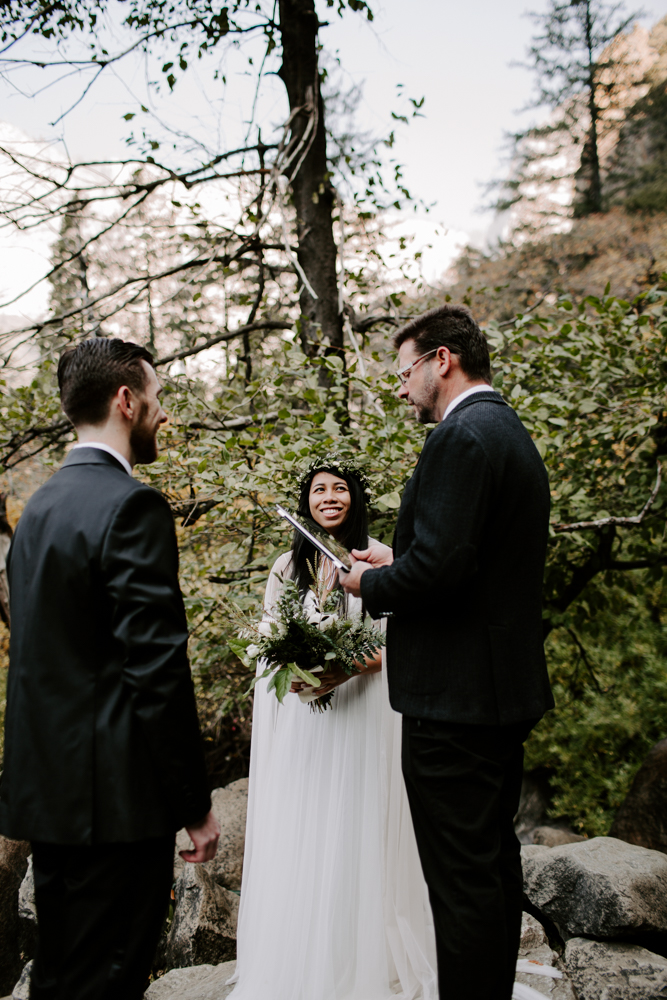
(425, 400)
(143, 439)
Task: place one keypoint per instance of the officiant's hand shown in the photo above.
(351, 582)
(373, 557)
(376, 554)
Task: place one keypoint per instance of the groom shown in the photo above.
(103, 756)
(465, 659)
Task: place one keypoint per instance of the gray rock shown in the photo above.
(27, 911)
(533, 934)
(642, 817)
(600, 888)
(555, 836)
(535, 949)
(203, 982)
(13, 863)
(22, 989)
(534, 805)
(204, 926)
(27, 907)
(604, 970)
(230, 806)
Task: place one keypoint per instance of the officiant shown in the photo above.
(461, 587)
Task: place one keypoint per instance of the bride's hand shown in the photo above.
(332, 678)
(376, 554)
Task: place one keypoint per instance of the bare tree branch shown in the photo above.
(49, 434)
(192, 510)
(607, 522)
(268, 324)
(239, 423)
(237, 574)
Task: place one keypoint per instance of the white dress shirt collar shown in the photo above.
(464, 395)
(111, 451)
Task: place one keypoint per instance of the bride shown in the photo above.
(333, 901)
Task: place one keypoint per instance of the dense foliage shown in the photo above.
(587, 379)
(610, 685)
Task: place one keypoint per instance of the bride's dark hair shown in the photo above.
(354, 530)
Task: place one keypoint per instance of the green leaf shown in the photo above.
(238, 646)
(392, 500)
(306, 676)
(282, 681)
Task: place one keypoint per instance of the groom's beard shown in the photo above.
(143, 439)
(425, 402)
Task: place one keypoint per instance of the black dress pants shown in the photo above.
(464, 784)
(99, 911)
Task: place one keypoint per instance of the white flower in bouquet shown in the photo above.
(303, 639)
(323, 621)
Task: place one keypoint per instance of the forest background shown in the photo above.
(260, 277)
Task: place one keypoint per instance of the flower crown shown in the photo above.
(333, 460)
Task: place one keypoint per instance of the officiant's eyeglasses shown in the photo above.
(404, 373)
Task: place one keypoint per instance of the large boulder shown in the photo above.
(535, 954)
(203, 982)
(13, 864)
(605, 970)
(555, 836)
(534, 804)
(642, 817)
(533, 934)
(600, 888)
(203, 929)
(28, 913)
(22, 989)
(230, 806)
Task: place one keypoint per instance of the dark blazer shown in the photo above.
(102, 741)
(464, 640)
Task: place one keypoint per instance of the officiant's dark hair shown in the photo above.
(453, 327)
(90, 374)
(354, 532)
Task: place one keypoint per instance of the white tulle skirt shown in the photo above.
(333, 901)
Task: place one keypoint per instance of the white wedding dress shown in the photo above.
(333, 901)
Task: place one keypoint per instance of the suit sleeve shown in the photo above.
(452, 497)
(140, 563)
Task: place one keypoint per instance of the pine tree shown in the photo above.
(584, 72)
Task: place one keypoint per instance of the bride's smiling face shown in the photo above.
(329, 501)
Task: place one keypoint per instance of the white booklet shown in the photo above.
(322, 541)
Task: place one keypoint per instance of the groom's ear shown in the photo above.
(127, 401)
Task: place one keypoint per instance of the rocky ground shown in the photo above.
(595, 926)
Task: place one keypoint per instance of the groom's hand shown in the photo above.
(204, 835)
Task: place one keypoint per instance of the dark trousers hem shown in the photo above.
(100, 910)
(464, 784)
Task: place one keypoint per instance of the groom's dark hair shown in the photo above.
(90, 374)
(453, 327)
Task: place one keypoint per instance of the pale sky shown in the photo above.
(457, 55)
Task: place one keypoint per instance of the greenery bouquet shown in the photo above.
(300, 639)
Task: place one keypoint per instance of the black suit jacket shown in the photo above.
(464, 640)
(102, 740)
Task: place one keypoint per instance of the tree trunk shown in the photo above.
(312, 192)
(591, 200)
